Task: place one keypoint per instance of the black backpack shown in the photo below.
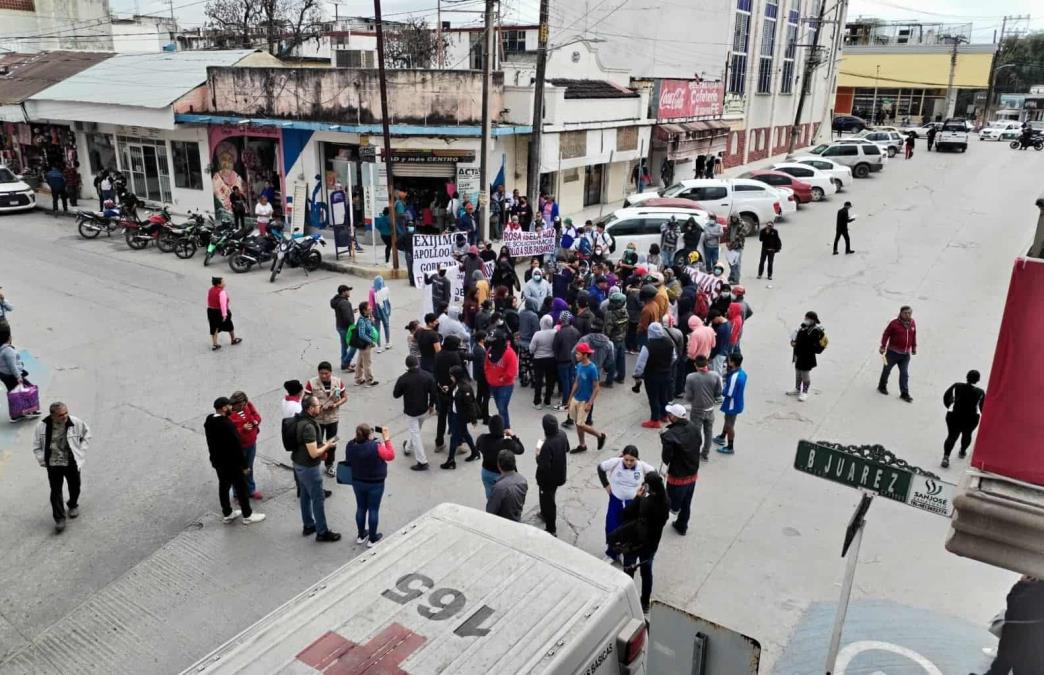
(289, 432)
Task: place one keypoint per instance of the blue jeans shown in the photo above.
(734, 270)
(710, 259)
(488, 478)
(347, 353)
(459, 433)
(250, 453)
(367, 507)
(612, 521)
(892, 359)
(680, 499)
(501, 399)
(383, 320)
(310, 482)
(566, 373)
(658, 391)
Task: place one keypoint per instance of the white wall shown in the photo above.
(89, 18)
(101, 113)
(141, 34)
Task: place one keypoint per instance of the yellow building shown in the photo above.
(895, 82)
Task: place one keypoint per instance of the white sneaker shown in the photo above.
(255, 517)
(232, 516)
(365, 537)
(803, 396)
(387, 346)
(380, 349)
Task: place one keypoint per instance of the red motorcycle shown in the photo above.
(138, 233)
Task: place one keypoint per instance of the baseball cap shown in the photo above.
(342, 288)
(584, 348)
(678, 410)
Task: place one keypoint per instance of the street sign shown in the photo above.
(879, 471)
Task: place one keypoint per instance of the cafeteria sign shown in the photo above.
(874, 469)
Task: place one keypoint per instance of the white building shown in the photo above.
(143, 33)
(47, 25)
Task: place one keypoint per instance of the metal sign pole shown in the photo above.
(853, 539)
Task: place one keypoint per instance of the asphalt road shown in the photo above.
(148, 575)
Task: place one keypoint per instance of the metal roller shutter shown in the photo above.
(418, 170)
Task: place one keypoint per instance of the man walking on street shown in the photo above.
(508, 496)
(419, 396)
(703, 392)
(770, 246)
(580, 401)
(681, 454)
(228, 460)
(898, 344)
(330, 392)
(551, 454)
(306, 457)
(843, 219)
(60, 443)
(732, 405)
(345, 316)
(966, 400)
(56, 181)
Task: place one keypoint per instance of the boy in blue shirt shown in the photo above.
(581, 399)
(732, 405)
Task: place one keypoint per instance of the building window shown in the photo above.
(786, 82)
(768, 48)
(740, 43)
(144, 160)
(513, 41)
(572, 144)
(187, 171)
(354, 58)
(626, 138)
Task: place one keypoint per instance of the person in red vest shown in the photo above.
(219, 316)
(898, 344)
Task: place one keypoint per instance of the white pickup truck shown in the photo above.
(754, 202)
(952, 136)
(459, 592)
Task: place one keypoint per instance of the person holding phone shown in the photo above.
(307, 458)
(369, 459)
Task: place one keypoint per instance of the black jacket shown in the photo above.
(564, 343)
(842, 218)
(226, 452)
(806, 342)
(342, 308)
(661, 352)
(504, 275)
(490, 444)
(641, 525)
(681, 449)
(1022, 638)
(966, 400)
(449, 356)
(441, 291)
(417, 390)
(551, 460)
(770, 241)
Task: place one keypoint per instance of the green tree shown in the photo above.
(1024, 58)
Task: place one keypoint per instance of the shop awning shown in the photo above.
(368, 129)
(666, 132)
(697, 127)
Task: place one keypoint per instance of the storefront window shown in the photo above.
(249, 162)
(101, 154)
(146, 166)
(187, 171)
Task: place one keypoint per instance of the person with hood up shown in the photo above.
(501, 371)
(441, 289)
(462, 412)
(677, 382)
(680, 444)
(545, 368)
(584, 314)
(564, 345)
(535, 290)
(528, 325)
(472, 263)
(807, 341)
(736, 241)
(710, 242)
(450, 324)
(701, 338)
(641, 531)
(446, 359)
(615, 328)
(551, 452)
(481, 285)
(470, 308)
(489, 445)
(735, 317)
(621, 477)
(691, 235)
(654, 368)
(380, 303)
(722, 341)
(558, 305)
(504, 273)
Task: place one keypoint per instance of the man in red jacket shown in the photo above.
(898, 344)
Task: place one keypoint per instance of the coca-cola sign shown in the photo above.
(689, 98)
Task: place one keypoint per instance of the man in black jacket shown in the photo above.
(441, 290)
(843, 219)
(681, 454)
(551, 470)
(966, 400)
(419, 396)
(226, 456)
(345, 316)
(449, 356)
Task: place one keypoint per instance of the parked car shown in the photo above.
(802, 190)
(889, 141)
(919, 130)
(952, 136)
(862, 156)
(849, 123)
(15, 194)
(752, 204)
(994, 131)
(641, 225)
(841, 174)
(787, 201)
(822, 184)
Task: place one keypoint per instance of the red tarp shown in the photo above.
(1011, 436)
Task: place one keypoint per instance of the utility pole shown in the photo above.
(993, 72)
(487, 122)
(951, 93)
(873, 107)
(533, 181)
(438, 35)
(811, 62)
(387, 133)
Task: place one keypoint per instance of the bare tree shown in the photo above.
(412, 44)
(281, 25)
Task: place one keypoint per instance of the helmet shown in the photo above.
(694, 257)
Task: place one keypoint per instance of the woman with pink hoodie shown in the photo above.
(735, 317)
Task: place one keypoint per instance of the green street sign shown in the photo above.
(879, 471)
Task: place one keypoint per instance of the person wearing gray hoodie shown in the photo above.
(545, 368)
(703, 393)
(654, 368)
(710, 243)
(535, 290)
(450, 324)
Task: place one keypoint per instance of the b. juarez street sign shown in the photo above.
(879, 471)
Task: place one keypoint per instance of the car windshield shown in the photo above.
(608, 220)
(954, 126)
(6, 176)
(818, 150)
(672, 191)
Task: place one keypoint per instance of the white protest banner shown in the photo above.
(430, 251)
(523, 243)
(708, 283)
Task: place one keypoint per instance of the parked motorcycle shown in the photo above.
(92, 223)
(223, 240)
(297, 252)
(254, 250)
(139, 233)
(185, 239)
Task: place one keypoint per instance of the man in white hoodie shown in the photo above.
(60, 443)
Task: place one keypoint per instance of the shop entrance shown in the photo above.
(428, 190)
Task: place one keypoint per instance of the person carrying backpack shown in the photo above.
(301, 434)
(363, 336)
(669, 233)
(464, 411)
(807, 341)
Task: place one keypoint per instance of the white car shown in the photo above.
(841, 174)
(641, 225)
(15, 194)
(787, 201)
(919, 130)
(889, 141)
(822, 184)
(995, 130)
(746, 199)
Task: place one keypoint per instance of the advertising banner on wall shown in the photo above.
(689, 98)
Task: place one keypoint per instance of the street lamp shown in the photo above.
(989, 90)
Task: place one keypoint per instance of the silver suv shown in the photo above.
(862, 157)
